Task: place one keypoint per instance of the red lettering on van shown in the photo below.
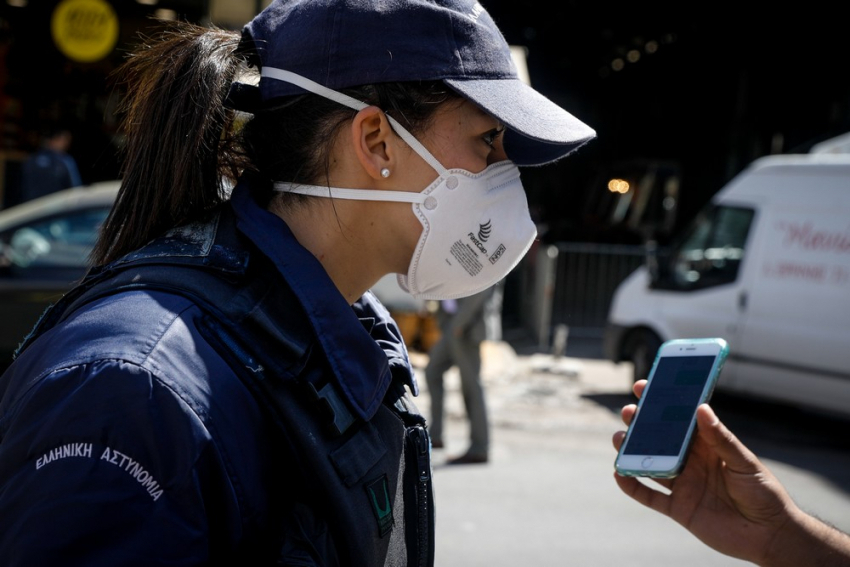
(808, 238)
(801, 271)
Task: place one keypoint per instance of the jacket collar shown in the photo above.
(359, 364)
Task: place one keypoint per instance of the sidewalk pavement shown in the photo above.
(533, 392)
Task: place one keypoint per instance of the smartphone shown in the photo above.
(682, 377)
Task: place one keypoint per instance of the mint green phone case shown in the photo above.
(708, 390)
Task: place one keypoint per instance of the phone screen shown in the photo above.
(667, 411)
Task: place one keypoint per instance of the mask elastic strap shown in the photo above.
(316, 88)
(351, 194)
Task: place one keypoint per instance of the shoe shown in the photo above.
(436, 444)
(468, 459)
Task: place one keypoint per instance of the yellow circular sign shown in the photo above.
(84, 30)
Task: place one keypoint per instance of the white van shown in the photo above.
(765, 266)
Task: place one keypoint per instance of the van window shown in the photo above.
(711, 251)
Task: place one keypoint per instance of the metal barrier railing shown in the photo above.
(571, 285)
(586, 277)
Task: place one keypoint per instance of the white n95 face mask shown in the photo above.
(476, 227)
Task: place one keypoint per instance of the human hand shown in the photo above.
(724, 495)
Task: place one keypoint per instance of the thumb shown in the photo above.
(724, 443)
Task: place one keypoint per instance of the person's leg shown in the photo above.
(439, 361)
(467, 355)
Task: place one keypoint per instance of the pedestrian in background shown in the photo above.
(464, 324)
(51, 168)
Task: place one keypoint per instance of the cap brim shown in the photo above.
(539, 131)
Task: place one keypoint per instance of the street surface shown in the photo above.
(547, 496)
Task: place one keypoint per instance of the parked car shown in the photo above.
(766, 266)
(44, 248)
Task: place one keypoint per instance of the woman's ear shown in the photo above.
(372, 139)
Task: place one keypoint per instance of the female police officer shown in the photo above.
(222, 387)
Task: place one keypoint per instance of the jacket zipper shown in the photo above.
(423, 495)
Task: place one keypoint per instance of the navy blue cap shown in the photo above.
(348, 43)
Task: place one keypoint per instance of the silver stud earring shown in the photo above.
(385, 173)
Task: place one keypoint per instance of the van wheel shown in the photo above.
(641, 350)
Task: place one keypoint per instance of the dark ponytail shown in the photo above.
(179, 148)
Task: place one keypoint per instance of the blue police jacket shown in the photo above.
(211, 399)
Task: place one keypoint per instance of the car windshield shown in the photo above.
(62, 241)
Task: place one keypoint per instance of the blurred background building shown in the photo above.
(682, 96)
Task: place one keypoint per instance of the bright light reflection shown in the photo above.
(165, 14)
(618, 186)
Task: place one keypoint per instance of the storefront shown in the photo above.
(57, 63)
